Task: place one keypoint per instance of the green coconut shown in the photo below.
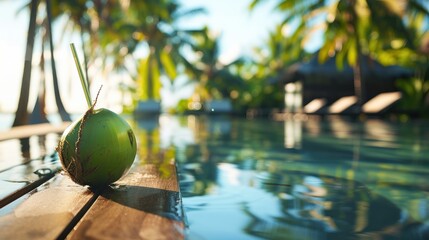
(97, 149)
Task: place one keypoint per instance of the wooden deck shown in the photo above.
(43, 203)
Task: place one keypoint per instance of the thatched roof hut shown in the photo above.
(325, 80)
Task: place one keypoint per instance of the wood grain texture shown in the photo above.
(46, 211)
(144, 205)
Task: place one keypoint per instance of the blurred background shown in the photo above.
(244, 57)
(288, 119)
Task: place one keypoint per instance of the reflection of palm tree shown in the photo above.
(333, 208)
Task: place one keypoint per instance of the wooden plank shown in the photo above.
(145, 204)
(21, 179)
(24, 186)
(32, 130)
(46, 211)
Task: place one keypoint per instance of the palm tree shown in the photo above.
(61, 110)
(280, 51)
(349, 27)
(215, 80)
(163, 40)
(21, 116)
(415, 91)
(116, 29)
(38, 114)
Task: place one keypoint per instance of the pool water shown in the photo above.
(296, 179)
(287, 179)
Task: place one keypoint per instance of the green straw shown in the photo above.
(82, 78)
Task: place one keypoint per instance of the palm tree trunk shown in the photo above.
(150, 93)
(61, 110)
(21, 115)
(39, 111)
(358, 80)
(359, 83)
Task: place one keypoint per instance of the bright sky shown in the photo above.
(240, 31)
(11, 54)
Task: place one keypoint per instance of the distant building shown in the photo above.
(311, 80)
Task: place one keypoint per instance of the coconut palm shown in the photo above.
(38, 115)
(21, 116)
(123, 27)
(215, 80)
(163, 39)
(415, 91)
(61, 110)
(112, 31)
(278, 53)
(350, 26)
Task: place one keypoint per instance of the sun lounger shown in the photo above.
(342, 105)
(315, 106)
(381, 102)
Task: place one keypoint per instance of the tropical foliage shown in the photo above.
(141, 39)
(351, 27)
(265, 88)
(215, 79)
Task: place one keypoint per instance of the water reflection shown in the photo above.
(18, 151)
(295, 179)
(24, 161)
(293, 134)
(323, 207)
(40, 146)
(25, 147)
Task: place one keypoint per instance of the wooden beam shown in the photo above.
(146, 204)
(28, 186)
(46, 212)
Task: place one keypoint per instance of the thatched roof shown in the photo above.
(372, 70)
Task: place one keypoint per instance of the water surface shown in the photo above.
(286, 179)
(295, 179)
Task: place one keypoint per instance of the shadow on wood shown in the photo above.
(161, 202)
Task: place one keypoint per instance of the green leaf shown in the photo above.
(168, 65)
(253, 4)
(142, 79)
(339, 60)
(352, 55)
(156, 79)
